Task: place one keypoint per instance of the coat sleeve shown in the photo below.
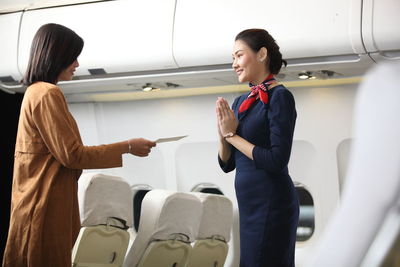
(282, 118)
(61, 136)
(230, 165)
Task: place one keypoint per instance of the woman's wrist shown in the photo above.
(229, 135)
(127, 147)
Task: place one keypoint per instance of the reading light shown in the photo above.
(148, 88)
(304, 75)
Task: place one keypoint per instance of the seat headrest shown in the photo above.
(102, 197)
(217, 216)
(167, 212)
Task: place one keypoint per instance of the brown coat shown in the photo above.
(49, 158)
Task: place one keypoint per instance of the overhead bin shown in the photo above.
(120, 36)
(205, 30)
(188, 43)
(381, 20)
(8, 6)
(9, 25)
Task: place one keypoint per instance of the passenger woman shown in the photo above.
(50, 156)
(256, 138)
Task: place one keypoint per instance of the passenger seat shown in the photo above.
(211, 246)
(105, 204)
(169, 222)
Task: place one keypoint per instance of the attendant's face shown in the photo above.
(245, 62)
(66, 75)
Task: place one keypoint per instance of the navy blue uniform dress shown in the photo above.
(267, 198)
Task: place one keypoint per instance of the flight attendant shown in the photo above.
(50, 156)
(256, 138)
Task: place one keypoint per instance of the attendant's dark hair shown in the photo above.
(258, 38)
(54, 48)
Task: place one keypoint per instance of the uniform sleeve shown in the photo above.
(282, 118)
(62, 138)
(230, 165)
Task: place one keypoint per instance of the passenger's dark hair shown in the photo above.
(54, 48)
(258, 38)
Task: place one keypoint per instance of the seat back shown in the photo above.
(169, 222)
(100, 246)
(211, 246)
(368, 208)
(168, 253)
(105, 204)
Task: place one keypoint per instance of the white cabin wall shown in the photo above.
(343, 154)
(324, 121)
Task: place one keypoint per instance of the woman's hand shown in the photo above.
(140, 147)
(227, 122)
(221, 137)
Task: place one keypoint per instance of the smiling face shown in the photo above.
(66, 74)
(249, 65)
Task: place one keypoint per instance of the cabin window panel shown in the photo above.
(306, 226)
(207, 188)
(138, 194)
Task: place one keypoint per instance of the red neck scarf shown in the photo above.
(259, 90)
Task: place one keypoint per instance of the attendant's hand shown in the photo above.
(141, 147)
(227, 121)
(221, 137)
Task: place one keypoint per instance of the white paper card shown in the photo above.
(170, 139)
